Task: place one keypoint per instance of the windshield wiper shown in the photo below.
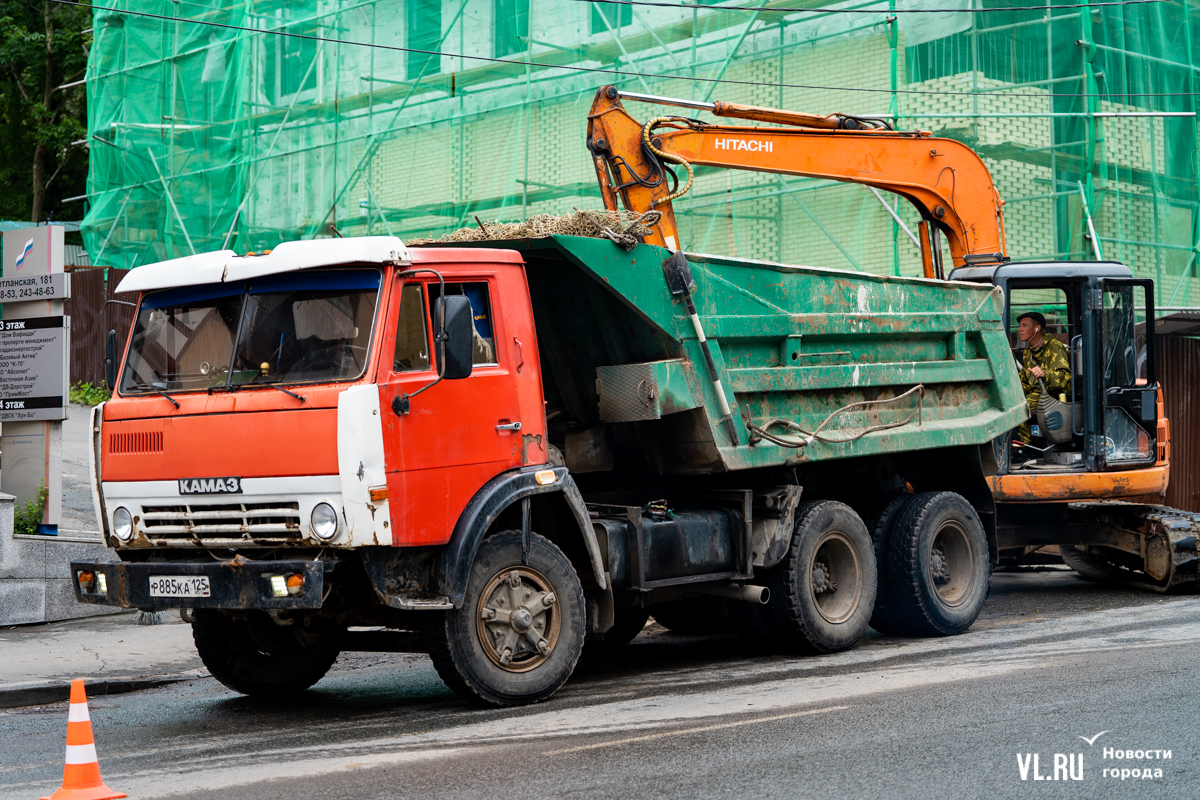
(280, 388)
(156, 390)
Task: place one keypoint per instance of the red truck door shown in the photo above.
(458, 434)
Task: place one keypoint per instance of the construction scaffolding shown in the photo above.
(245, 124)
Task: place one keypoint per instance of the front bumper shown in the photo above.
(235, 584)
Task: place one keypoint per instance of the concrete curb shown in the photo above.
(34, 694)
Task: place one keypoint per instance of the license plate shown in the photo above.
(179, 586)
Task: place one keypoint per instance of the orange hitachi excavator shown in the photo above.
(1099, 453)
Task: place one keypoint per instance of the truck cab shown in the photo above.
(250, 408)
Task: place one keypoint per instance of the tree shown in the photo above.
(42, 47)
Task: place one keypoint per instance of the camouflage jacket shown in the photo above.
(1052, 358)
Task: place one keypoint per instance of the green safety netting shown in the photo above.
(219, 131)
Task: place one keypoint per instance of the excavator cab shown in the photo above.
(1095, 490)
(1106, 418)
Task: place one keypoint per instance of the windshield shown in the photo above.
(290, 328)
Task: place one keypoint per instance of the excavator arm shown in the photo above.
(946, 180)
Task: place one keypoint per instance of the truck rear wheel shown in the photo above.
(518, 635)
(823, 592)
(883, 618)
(254, 656)
(938, 565)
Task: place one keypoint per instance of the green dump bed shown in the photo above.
(790, 343)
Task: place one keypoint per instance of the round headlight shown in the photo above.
(122, 524)
(324, 521)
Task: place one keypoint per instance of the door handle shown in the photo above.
(511, 426)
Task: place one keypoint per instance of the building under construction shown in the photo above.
(257, 122)
(245, 124)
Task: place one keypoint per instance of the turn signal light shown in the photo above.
(86, 581)
(544, 477)
(284, 585)
(379, 495)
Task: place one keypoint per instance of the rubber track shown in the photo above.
(1181, 527)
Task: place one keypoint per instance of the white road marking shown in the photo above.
(686, 731)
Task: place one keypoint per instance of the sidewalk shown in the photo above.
(35, 579)
(112, 654)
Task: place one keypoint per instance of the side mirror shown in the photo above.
(453, 335)
(110, 360)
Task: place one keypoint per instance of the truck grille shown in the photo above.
(246, 520)
(136, 443)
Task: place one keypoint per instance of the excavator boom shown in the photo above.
(947, 181)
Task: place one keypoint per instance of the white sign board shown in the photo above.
(35, 287)
(33, 369)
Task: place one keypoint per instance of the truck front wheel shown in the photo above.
(823, 592)
(254, 656)
(938, 565)
(518, 635)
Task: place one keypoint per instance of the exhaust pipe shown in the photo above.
(747, 594)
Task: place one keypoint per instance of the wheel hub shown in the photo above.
(517, 622)
(521, 620)
(822, 580)
(836, 577)
(939, 567)
(951, 564)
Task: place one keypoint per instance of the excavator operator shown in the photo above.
(1044, 361)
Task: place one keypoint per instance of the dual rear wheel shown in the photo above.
(936, 566)
(922, 569)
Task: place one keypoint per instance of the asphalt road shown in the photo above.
(1052, 659)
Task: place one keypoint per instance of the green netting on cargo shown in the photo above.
(205, 136)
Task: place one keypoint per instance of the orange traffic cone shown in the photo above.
(81, 775)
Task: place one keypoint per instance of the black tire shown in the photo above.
(694, 616)
(256, 657)
(823, 591)
(938, 565)
(1091, 568)
(883, 618)
(628, 622)
(469, 651)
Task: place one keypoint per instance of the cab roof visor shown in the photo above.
(223, 266)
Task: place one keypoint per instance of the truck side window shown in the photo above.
(412, 332)
(481, 309)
